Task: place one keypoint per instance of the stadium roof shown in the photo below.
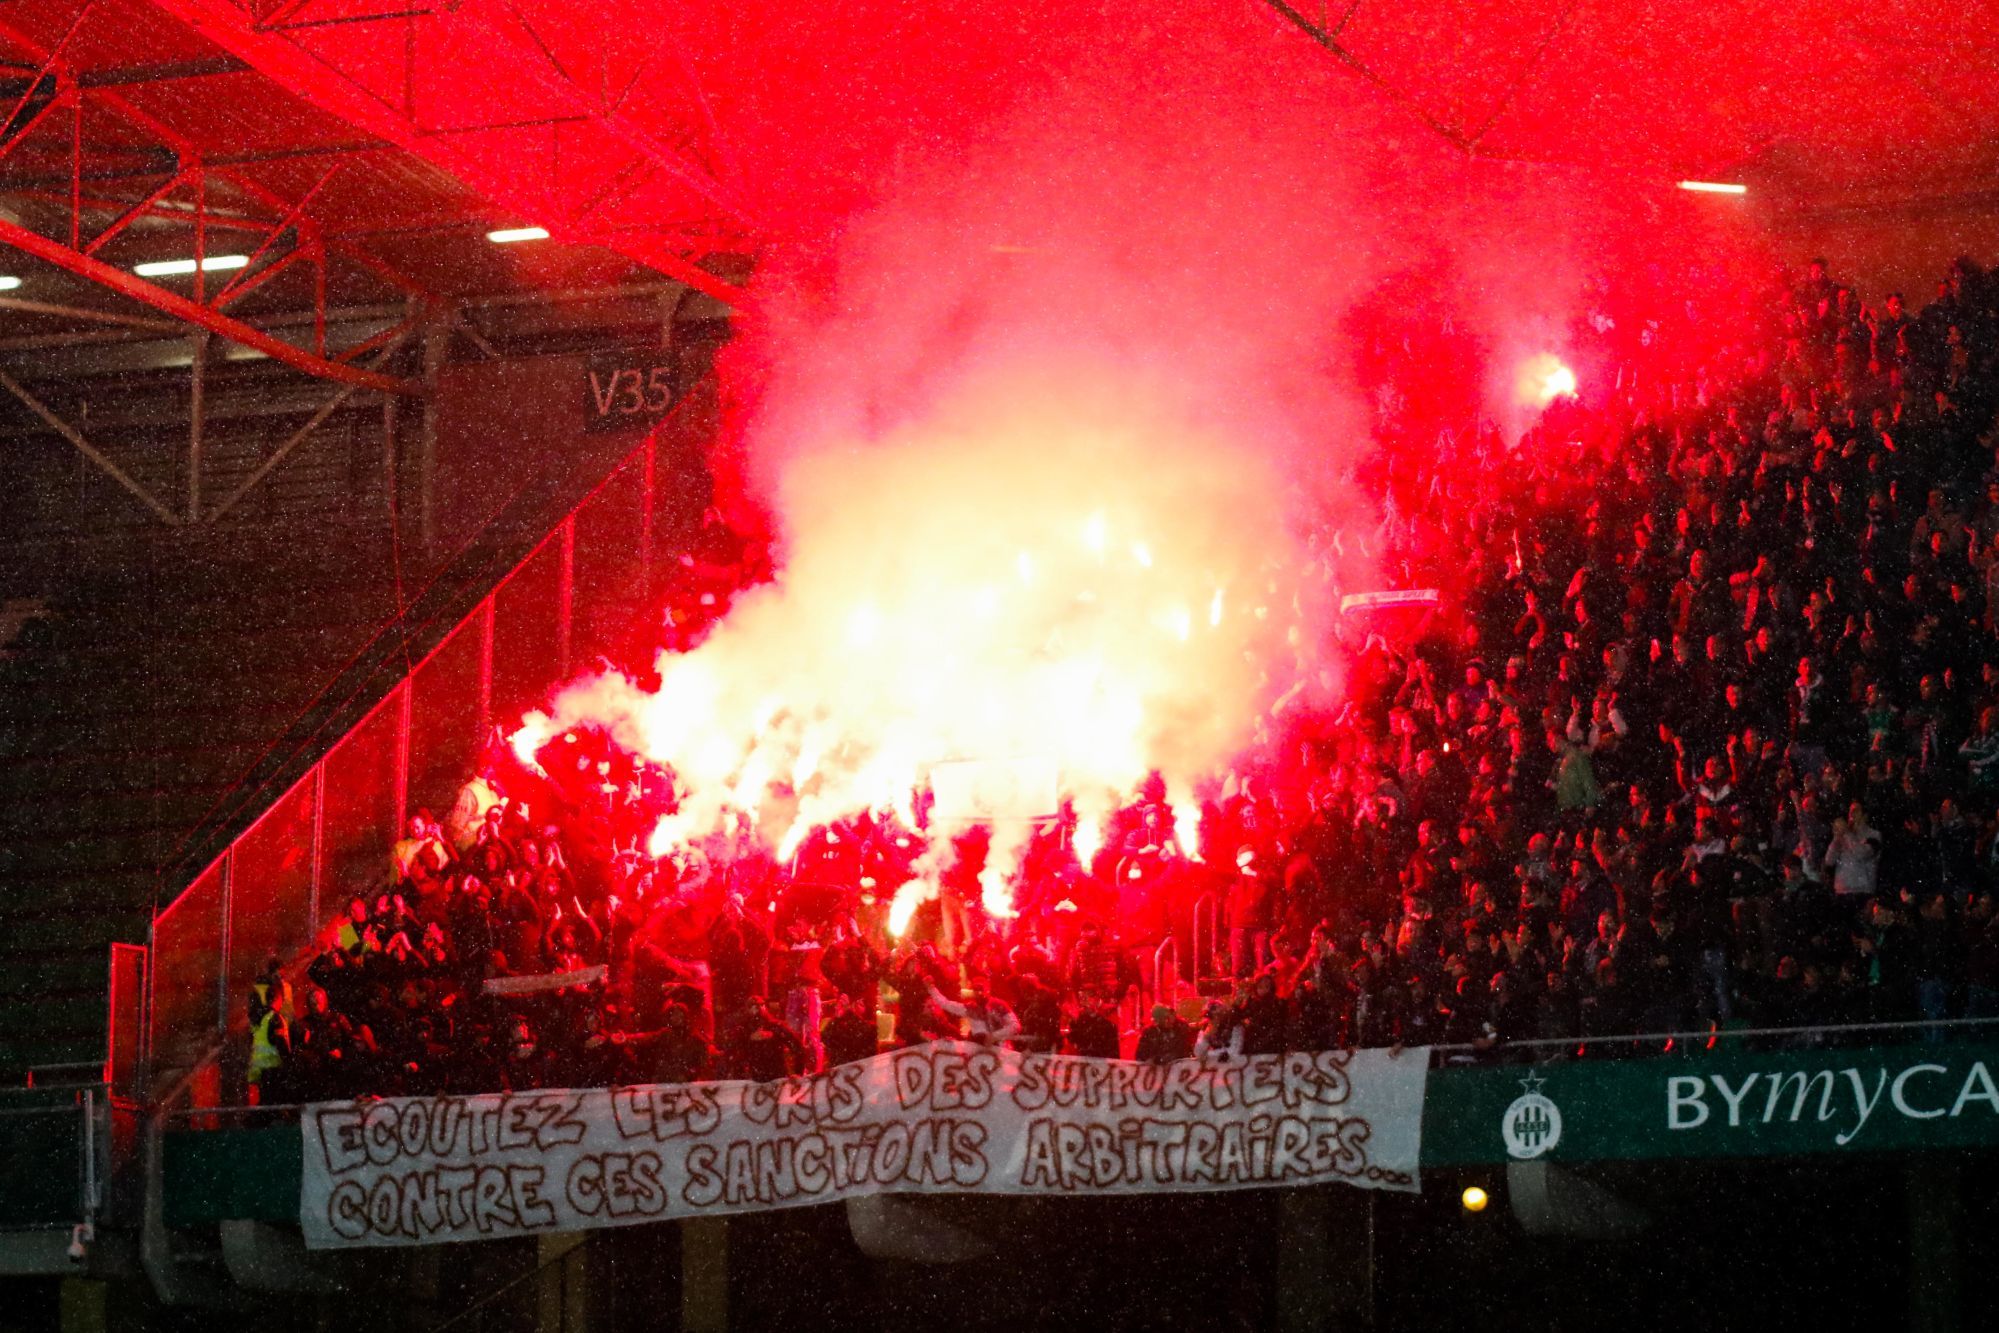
(1811, 100)
(378, 142)
(124, 133)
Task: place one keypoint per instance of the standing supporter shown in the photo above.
(852, 1033)
(1093, 1031)
(759, 1047)
(676, 1053)
(1252, 912)
(270, 1036)
(1745, 583)
(988, 1021)
(1853, 854)
(1165, 1039)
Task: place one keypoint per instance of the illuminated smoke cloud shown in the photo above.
(1032, 421)
(1043, 577)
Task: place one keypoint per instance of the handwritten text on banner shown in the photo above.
(948, 1118)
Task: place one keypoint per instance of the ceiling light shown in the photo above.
(167, 268)
(1713, 187)
(508, 235)
(8, 283)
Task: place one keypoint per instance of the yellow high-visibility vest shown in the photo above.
(264, 1053)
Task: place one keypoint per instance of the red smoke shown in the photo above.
(1056, 265)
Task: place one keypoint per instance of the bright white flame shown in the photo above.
(511, 235)
(1089, 839)
(995, 894)
(672, 833)
(1542, 379)
(1714, 187)
(863, 627)
(8, 282)
(167, 268)
(535, 731)
(903, 906)
(1187, 828)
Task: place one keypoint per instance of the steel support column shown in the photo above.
(646, 517)
(297, 437)
(487, 619)
(565, 611)
(389, 425)
(226, 941)
(312, 904)
(403, 693)
(436, 344)
(197, 388)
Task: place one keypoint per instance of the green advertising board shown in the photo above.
(1722, 1103)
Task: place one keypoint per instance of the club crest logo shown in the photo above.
(1532, 1124)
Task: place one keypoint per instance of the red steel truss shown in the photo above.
(76, 224)
(526, 102)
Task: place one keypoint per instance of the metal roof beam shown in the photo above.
(85, 447)
(28, 307)
(217, 162)
(194, 312)
(189, 155)
(278, 455)
(134, 76)
(538, 188)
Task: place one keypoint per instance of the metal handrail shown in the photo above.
(1714, 1035)
(352, 698)
(165, 1113)
(425, 621)
(65, 1075)
(1166, 971)
(85, 1109)
(1132, 1009)
(85, 1097)
(278, 1111)
(1208, 911)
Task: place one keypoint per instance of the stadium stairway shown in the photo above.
(160, 663)
(121, 724)
(148, 714)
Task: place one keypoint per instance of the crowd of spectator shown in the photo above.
(1706, 736)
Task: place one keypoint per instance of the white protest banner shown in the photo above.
(948, 1118)
(546, 981)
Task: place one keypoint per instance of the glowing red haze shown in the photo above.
(1047, 393)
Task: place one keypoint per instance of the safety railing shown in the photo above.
(176, 1111)
(55, 1159)
(328, 830)
(1166, 972)
(1716, 1037)
(1134, 1009)
(1207, 937)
